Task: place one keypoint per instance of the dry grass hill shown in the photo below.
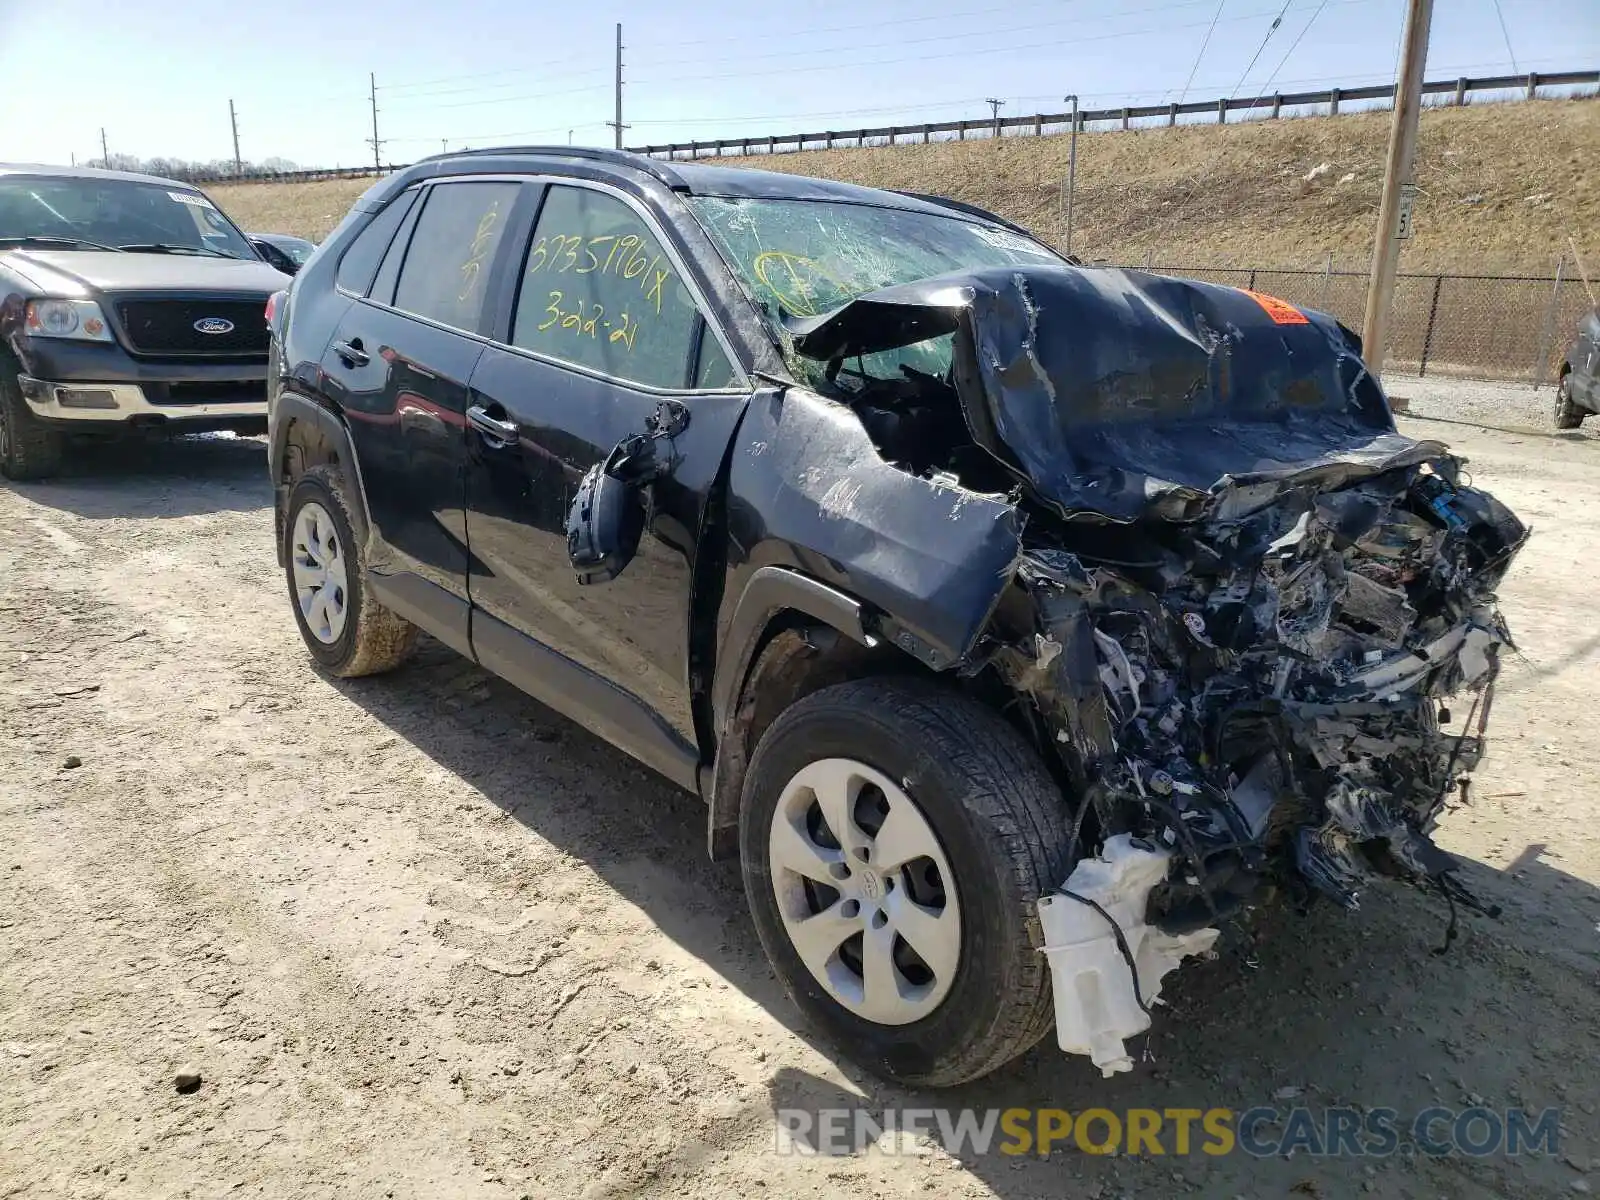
(1501, 187)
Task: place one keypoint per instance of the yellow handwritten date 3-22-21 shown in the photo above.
(628, 256)
(587, 321)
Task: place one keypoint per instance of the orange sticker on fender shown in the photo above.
(1281, 311)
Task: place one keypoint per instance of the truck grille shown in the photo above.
(167, 327)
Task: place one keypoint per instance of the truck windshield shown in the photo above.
(115, 213)
(803, 258)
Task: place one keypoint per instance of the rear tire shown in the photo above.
(346, 630)
(1568, 414)
(980, 801)
(29, 449)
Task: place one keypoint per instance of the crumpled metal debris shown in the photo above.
(1263, 692)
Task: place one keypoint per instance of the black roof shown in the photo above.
(696, 178)
(60, 172)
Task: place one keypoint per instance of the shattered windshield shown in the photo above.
(115, 214)
(803, 258)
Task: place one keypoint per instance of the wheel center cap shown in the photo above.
(870, 882)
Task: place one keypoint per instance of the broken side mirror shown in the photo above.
(605, 522)
(607, 517)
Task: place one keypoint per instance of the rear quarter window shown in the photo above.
(361, 258)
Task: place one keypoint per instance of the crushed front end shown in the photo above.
(1254, 626)
(1265, 696)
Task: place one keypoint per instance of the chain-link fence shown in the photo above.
(1501, 327)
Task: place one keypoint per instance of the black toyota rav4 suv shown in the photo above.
(1017, 622)
(127, 303)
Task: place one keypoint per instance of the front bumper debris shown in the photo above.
(1106, 963)
(1262, 699)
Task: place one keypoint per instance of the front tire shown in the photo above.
(895, 838)
(347, 631)
(29, 449)
(1568, 414)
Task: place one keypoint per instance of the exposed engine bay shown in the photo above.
(1244, 615)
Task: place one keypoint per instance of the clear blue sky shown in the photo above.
(158, 74)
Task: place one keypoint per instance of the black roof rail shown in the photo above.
(961, 206)
(622, 158)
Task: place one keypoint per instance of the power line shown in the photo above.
(1009, 9)
(964, 35)
(543, 76)
(599, 87)
(390, 89)
(1114, 99)
(835, 112)
(534, 70)
(1271, 29)
(1506, 33)
(496, 137)
(1294, 45)
(396, 93)
(950, 104)
(967, 52)
(1204, 42)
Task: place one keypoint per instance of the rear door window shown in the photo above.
(598, 290)
(446, 270)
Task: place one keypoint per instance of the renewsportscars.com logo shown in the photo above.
(1263, 1132)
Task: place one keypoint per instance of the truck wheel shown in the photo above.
(344, 627)
(894, 839)
(29, 449)
(1568, 414)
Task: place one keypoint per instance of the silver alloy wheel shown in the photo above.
(321, 583)
(865, 891)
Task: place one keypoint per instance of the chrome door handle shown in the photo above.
(500, 432)
(351, 353)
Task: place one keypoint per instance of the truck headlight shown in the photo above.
(80, 319)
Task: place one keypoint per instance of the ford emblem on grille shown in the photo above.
(213, 325)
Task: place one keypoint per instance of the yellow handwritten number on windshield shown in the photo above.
(792, 280)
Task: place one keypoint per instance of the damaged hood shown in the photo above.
(1131, 395)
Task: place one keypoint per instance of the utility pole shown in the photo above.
(377, 159)
(617, 125)
(1072, 170)
(233, 119)
(105, 155)
(994, 107)
(1394, 212)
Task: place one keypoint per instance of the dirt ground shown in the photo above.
(424, 938)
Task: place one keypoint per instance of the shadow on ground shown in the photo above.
(1317, 1008)
(157, 477)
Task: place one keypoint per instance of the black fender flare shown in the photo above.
(768, 594)
(291, 408)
